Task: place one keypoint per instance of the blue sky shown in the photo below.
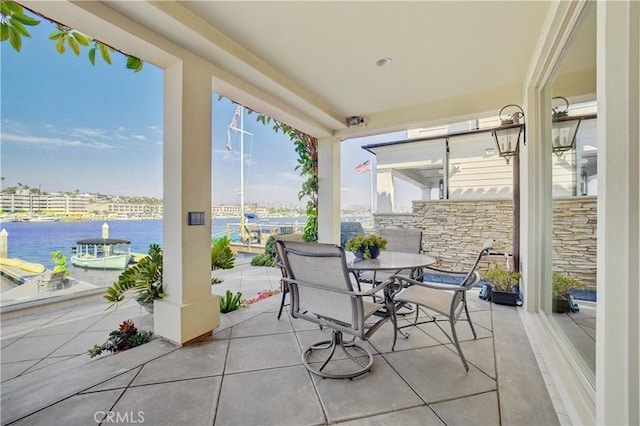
(68, 125)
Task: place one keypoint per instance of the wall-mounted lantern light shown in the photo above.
(511, 130)
(564, 128)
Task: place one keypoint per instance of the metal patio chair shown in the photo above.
(322, 292)
(447, 301)
(284, 287)
(50, 281)
(406, 240)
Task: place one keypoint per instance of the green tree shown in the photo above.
(13, 23)
(14, 19)
(60, 260)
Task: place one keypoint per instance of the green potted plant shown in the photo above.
(366, 246)
(60, 260)
(145, 278)
(504, 284)
(562, 301)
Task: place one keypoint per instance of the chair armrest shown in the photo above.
(320, 287)
(437, 286)
(375, 289)
(458, 274)
(445, 271)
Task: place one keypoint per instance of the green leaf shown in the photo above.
(134, 63)
(18, 27)
(56, 34)
(15, 39)
(73, 44)
(26, 20)
(5, 9)
(4, 31)
(60, 45)
(13, 6)
(92, 56)
(80, 38)
(104, 52)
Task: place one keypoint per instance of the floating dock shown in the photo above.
(19, 270)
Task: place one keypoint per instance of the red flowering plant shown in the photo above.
(261, 295)
(125, 337)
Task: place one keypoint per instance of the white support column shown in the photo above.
(385, 191)
(189, 310)
(536, 204)
(329, 190)
(618, 324)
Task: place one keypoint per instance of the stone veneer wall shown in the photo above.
(454, 231)
(575, 222)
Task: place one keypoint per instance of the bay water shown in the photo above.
(34, 241)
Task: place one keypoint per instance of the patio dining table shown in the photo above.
(390, 261)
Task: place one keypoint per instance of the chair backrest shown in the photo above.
(57, 276)
(402, 239)
(472, 277)
(51, 280)
(348, 230)
(321, 290)
(279, 248)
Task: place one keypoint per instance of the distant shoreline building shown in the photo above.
(24, 201)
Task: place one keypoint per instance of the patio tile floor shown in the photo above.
(250, 371)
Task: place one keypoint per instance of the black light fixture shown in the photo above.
(507, 138)
(511, 130)
(564, 128)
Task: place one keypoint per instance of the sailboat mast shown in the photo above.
(242, 165)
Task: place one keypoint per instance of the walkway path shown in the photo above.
(250, 372)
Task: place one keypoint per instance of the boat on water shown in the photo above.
(37, 218)
(101, 253)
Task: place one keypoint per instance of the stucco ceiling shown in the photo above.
(313, 64)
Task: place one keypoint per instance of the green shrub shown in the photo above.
(221, 255)
(60, 260)
(145, 278)
(270, 247)
(562, 285)
(229, 302)
(263, 260)
(501, 279)
(268, 258)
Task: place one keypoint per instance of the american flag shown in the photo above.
(234, 126)
(363, 167)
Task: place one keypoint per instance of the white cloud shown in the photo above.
(290, 176)
(87, 133)
(44, 141)
(14, 126)
(264, 193)
(225, 154)
(139, 137)
(350, 190)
